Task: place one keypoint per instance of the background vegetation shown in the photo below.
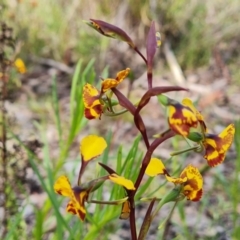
(45, 124)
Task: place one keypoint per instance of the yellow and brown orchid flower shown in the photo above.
(192, 182)
(110, 83)
(77, 196)
(216, 146)
(181, 118)
(188, 103)
(93, 106)
(190, 178)
(93, 100)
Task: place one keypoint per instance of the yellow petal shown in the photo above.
(216, 146)
(176, 180)
(227, 137)
(108, 84)
(188, 102)
(155, 167)
(193, 187)
(122, 75)
(128, 184)
(192, 173)
(91, 147)
(63, 187)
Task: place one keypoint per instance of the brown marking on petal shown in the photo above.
(89, 100)
(98, 109)
(59, 192)
(81, 214)
(198, 196)
(90, 95)
(88, 114)
(93, 112)
(193, 183)
(71, 208)
(181, 119)
(213, 155)
(81, 196)
(165, 172)
(183, 174)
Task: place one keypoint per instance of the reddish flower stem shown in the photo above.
(139, 53)
(132, 219)
(145, 162)
(149, 77)
(148, 156)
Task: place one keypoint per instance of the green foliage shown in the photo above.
(234, 196)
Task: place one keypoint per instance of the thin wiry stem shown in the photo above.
(140, 54)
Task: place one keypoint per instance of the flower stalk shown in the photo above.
(182, 119)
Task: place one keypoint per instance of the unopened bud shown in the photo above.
(195, 136)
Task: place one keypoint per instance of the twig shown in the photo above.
(52, 63)
(174, 66)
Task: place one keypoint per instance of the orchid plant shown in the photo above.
(183, 119)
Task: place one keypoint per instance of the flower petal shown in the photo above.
(91, 147)
(94, 112)
(176, 180)
(71, 207)
(155, 167)
(80, 198)
(122, 75)
(181, 119)
(109, 83)
(188, 102)
(128, 184)
(90, 96)
(193, 186)
(63, 187)
(227, 136)
(216, 146)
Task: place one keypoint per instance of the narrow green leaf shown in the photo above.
(56, 107)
